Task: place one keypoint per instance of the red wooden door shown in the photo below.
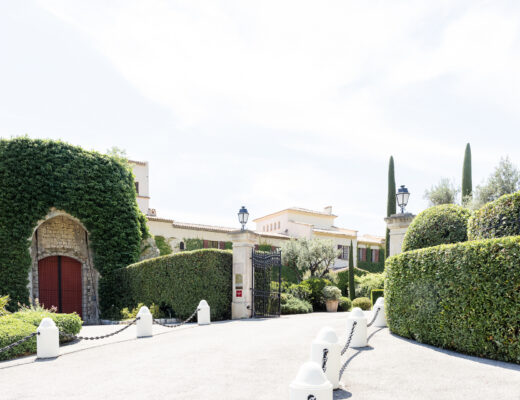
(48, 282)
(59, 280)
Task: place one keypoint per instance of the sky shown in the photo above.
(270, 104)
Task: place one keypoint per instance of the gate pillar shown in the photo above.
(243, 243)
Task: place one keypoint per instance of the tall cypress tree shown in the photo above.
(467, 185)
(351, 287)
(390, 205)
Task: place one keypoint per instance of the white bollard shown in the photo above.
(380, 320)
(310, 383)
(48, 339)
(203, 313)
(327, 339)
(144, 323)
(359, 338)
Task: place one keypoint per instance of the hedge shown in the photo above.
(436, 225)
(16, 326)
(36, 175)
(342, 279)
(496, 219)
(464, 296)
(177, 282)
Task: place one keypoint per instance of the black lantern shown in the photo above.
(402, 197)
(243, 215)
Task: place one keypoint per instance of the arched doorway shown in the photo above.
(60, 284)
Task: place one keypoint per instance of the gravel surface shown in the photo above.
(250, 359)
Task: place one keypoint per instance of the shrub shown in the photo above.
(373, 267)
(376, 294)
(301, 291)
(98, 190)
(331, 293)
(316, 286)
(179, 281)
(496, 219)
(366, 283)
(293, 305)
(15, 326)
(342, 279)
(3, 304)
(442, 224)
(363, 303)
(462, 296)
(345, 304)
(11, 330)
(132, 314)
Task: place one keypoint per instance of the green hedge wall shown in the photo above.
(436, 225)
(374, 267)
(464, 296)
(496, 219)
(36, 175)
(179, 281)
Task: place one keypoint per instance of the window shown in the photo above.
(136, 187)
(181, 246)
(343, 252)
(278, 224)
(213, 244)
(375, 255)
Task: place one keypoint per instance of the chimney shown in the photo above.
(328, 210)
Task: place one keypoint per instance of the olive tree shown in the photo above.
(309, 257)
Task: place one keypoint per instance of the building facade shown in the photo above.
(271, 230)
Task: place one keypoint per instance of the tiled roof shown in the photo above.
(137, 162)
(298, 209)
(336, 231)
(371, 239)
(200, 227)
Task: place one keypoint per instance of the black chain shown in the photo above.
(70, 336)
(325, 359)
(349, 338)
(25, 339)
(374, 317)
(179, 324)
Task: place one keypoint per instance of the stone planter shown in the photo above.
(332, 305)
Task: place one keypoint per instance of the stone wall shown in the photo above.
(62, 235)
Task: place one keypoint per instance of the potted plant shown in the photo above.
(331, 295)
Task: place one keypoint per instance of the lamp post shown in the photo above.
(402, 197)
(243, 215)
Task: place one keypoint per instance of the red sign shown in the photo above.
(239, 293)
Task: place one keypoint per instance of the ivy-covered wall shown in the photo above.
(36, 175)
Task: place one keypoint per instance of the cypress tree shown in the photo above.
(467, 186)
(390, 205)
(351, 287)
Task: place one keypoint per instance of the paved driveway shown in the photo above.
(251, 359)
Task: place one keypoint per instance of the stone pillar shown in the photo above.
(398, 224)
(243, 243)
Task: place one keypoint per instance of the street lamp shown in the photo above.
(243, 215)
(402, 197)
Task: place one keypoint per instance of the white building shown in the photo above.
(272, 229)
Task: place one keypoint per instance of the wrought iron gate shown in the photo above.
(267, 279)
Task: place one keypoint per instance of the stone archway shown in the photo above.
(57, 236)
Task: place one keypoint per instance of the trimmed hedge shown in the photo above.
(436, 225)
(36, 175)
(376, 294)
(365, 284)
(464, 296)
(177, 282)
(496, 219)
(373, 267)
(16, 326)
(363, 303)
(293, 305)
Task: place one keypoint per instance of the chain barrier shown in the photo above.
(349, 338)
(25, 339)
(325, 359)
(180, 323)
(374, 317)
(73, 337)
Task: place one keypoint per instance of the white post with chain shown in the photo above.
(325, 350)
(359, 338)
(310, 384)
(48, 339)
(380, 320)
(203, 313)
(144, 323)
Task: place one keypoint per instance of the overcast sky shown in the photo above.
(270, 104)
